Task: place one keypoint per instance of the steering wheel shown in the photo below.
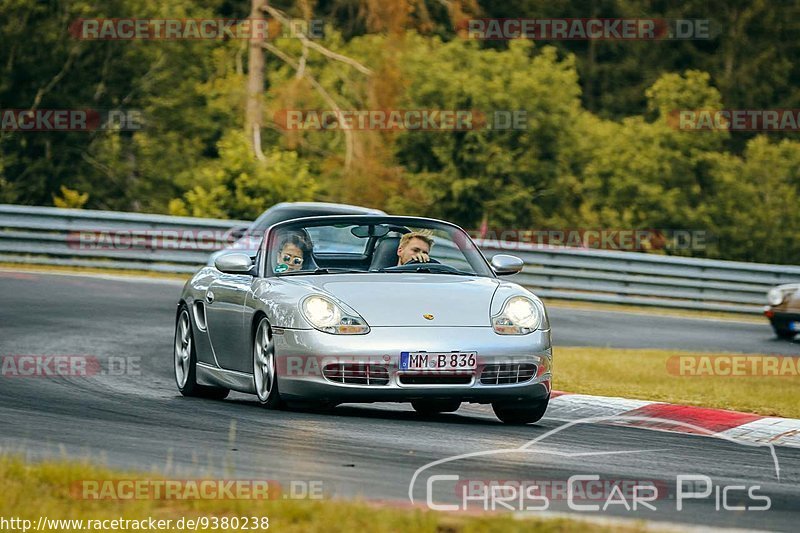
(435, 266)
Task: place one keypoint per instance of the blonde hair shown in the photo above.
(415, 235)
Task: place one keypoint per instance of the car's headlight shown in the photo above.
(325, 315)
(519, 316)
(775, 296)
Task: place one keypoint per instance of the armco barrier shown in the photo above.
(47, 235)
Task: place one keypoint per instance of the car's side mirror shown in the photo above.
(234, 263)
(235, 233)
(505, 265)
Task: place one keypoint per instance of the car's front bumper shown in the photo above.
(303, 354)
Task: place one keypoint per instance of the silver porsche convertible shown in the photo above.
(355, 308)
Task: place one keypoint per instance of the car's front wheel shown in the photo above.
(520, 412)
(265, 371)
(432, 407)
(185, 359)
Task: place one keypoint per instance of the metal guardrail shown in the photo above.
(47, 235)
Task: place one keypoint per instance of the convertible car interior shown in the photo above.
(379, 253)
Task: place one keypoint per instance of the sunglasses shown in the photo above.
(290, 260)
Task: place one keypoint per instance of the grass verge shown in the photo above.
(653, 375)
(43, 489)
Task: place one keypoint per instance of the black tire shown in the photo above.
(785, 334)
(191, 387)
(261, 333)
(520, 412)
(433, 407)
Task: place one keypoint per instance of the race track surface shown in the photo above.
(580, 327)
(137, 419)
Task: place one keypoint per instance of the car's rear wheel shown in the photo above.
(520, 412)
(185, 359)
(785, 334)
(265, 371)
(432, 407)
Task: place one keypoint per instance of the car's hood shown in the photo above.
(404, 299)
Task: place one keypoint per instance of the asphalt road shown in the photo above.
(134, 417)
(576, 327)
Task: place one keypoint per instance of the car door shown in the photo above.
(225, 300)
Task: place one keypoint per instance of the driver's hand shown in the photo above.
(421, 257)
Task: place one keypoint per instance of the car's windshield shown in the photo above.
(281, 213)
(371, 245)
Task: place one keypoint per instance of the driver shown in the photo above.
(292, 253)
(414, 246)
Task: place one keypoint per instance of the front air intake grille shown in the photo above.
(505, 373)
(436, 379)
(356, 373)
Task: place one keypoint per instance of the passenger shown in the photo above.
(292, 253)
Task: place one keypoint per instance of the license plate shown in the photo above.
(794, 326)
(438, 360)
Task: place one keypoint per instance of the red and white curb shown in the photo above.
(746, 427)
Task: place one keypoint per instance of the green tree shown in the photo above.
(236, 185)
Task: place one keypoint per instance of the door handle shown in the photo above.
(210, 297)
